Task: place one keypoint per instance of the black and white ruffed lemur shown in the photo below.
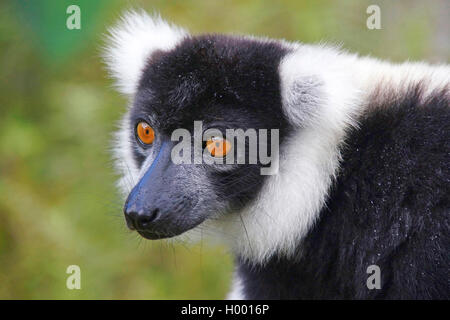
(364, 160)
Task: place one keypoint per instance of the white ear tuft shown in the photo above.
(131, 43)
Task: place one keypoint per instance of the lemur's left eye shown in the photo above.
(218, 147)
(145, 133)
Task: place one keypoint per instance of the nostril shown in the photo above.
(154, 214)
(144, 220)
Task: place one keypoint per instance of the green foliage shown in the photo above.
(58, 204)
(46, 22)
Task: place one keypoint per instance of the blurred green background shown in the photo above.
(58, 203)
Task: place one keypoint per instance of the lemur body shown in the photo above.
(364, 170)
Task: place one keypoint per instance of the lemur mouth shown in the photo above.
(154, 228)
(158, 230)
(153, 235)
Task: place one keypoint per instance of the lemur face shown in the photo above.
(224, 82)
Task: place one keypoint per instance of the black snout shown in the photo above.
(158, 206)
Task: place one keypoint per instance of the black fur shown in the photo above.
(214, 78)
(390, 206)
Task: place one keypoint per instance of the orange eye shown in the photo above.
(218, 147)
(145, 133)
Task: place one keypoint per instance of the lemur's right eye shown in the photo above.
(145, 133)
(218, 147)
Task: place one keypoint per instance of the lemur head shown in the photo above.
(214, 83)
